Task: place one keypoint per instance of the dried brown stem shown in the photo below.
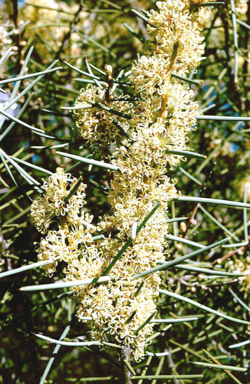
(231, 253)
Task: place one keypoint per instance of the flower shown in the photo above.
(244, 183)
(95, 120)
(150, 74)
(4, 40)
(141, 129)
(174, 29)
(44, 208)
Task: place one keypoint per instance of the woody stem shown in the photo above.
(125, 355)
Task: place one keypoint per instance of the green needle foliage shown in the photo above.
(124, 191)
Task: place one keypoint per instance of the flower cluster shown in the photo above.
(44, 16)
(110, 305)
(240, 266)
(244, 184)
(53, 202)
(72, 237)
(176, 34)
(143, 128)
(42, 10)
(94, 121)
(4, 40)
(104, 117)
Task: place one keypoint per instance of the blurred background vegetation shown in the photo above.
(93, 32)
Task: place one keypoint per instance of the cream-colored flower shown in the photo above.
(143, 129)
(174, 29)
(52, 203)
(97, 124)
(4, 40)
(43, 10)
(244, 183)
(150, 74)
(239, 265)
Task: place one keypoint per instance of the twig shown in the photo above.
(225, 370)
(125, 359)
(72, 28)
(231, 253)
(16, 34)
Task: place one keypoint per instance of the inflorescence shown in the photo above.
(140, 131)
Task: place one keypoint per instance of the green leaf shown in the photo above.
(239, 344)
(242, 23)
(133, 32)
(228, 367)
(209, 271)
(228, 203)
(30, 180)
(186, 153)
(178, 260)
(18, 78)
(190, 176)
(80, 71)
(89, 161)
(139, 289)
(7, 130)
(32, 165)
(27, 267)
(130, 318)
(176, 219)
(8, 169)
(211, 4)
(167, 377)
(223, 118)
(55, 351)
(218, 223)
(144, 324)
(145, 369)
(26, 90)
(201, 306)
(20, 122)
(75, 283)
(141, 16)
(67, 343)
(239, 300)
(5, 55)
(73, 190)
(185, 241)
(198, 82)
(173, 320)
(130, 240)
(233, 15)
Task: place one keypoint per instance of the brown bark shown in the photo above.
(126, 374)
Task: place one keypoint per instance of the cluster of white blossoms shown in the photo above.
(142, 130)
(4, 40)
(45, 16)
(242, 265)
(42, 10)
(244, 183)
(104, 118)
(52, 204)
(57, 208)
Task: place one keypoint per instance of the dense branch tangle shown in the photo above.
(161, 113)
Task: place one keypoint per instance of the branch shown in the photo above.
(125, 356)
